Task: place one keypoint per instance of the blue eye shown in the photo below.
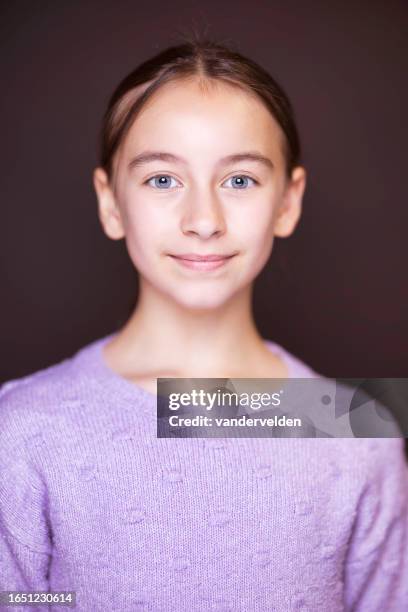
(242, 178)
(161, 183)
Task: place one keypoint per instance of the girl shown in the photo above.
(199, 172)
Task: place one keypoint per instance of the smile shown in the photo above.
(202, 264)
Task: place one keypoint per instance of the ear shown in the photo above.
(290, 210)
(108, 210)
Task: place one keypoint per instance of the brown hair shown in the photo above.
(195, 57)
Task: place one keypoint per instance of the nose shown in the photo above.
(203, 215)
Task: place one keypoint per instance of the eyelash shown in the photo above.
(231, 177)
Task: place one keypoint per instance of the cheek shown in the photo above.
(147, 234)
(140, 230)
(256, 232)
(255, 229)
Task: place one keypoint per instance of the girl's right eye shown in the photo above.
(162, 181)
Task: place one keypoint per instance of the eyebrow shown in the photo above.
(150, 156)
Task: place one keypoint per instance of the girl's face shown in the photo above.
(200, 172)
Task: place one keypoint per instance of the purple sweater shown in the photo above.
(92, 501)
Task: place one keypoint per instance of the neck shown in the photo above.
(162, 334)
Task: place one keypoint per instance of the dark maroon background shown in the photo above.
(335, 293)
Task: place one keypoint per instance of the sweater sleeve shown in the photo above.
(25, 542)
(376, 570)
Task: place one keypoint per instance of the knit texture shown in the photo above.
(92, 501)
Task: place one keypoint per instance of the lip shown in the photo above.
(202, 262)
(196, 257)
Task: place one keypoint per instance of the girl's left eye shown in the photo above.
(165, 183)
(242, 178)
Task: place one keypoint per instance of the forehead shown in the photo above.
(208, 120)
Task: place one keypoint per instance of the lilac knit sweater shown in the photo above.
(91, 501)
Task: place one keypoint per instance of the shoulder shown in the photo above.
(35, 383)
(26, 401)
(372, 458)
(23, 399)
(376, 469)
(385, 461)
(352, 471)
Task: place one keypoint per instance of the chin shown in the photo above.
(204, 301)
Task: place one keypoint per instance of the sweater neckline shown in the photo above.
(123, 387)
